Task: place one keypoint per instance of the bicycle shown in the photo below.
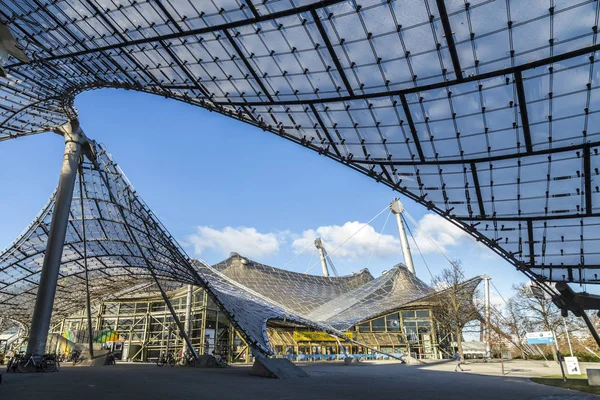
(110, 359)
(13, 362)
(75, 357)
(188, 360)
(168, 359)
(216, 361)
(47, 363)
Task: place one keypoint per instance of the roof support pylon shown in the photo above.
(40, 323)
(189, 301)
(396, 207)
(488, 343)
(321, 248)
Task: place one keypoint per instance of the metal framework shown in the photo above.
(114, 246)
(145, 327)
(481, 111)
(280, 305)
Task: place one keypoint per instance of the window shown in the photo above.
(378, 325)
(408, 314)
(410, 330)
(365, 327)
(393, 322)
(141, 308)
(127, 308)
(111, 309)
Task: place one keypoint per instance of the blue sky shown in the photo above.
(219, 186)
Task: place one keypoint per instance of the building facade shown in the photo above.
(393, 314)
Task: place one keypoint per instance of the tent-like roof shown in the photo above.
(392, 290)
(338, 302)
(483, 111)
(300, 292)
(127, 251)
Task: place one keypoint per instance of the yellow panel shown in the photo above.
(309, 336)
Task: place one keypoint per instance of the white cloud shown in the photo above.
(361, 245)
(433, 228)
(251, 243)
(243, 240)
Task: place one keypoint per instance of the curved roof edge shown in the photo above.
(222, 265)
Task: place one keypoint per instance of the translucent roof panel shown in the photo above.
(482, 111)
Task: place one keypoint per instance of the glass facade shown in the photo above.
(140, 329)
(402, 332)
(410, 331)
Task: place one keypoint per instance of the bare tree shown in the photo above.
(455, 300)
(516, 324)
(537, 312)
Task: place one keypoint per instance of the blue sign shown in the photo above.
(540, 338)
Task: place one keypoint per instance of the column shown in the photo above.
(396, 207)
(486, 290)
(321, 247)
(44, 302)
(188, 315)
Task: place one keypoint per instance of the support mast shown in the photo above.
(397, 208)
(321, 247)
(188, 315)
(44, 302)
(486, 289)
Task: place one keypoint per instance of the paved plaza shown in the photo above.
(326, 381)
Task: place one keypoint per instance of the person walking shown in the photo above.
(457, 357)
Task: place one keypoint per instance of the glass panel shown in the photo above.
(393, 322)
(408, 314)
(378, 325)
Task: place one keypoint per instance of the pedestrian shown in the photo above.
(456, 357)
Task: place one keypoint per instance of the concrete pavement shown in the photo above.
(326, 381)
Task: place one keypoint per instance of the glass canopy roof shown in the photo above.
(483, 111)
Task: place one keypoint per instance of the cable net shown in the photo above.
(127, 248)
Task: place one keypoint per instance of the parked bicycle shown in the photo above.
(75, 357)
(47, 363)
(111, 359)
(169, 358)
(14, 361)
(187, 360)
(216, 361)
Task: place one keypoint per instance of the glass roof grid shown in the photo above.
(373, 131)
(480, 32)
(326, 121)
(361, 55)
(566, 186)
(273, 61)
(329, 57)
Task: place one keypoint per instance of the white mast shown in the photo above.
(321, 248)
(486, 292)
(397, 208)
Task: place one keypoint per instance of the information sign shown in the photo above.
(540, 337)
(572, 366)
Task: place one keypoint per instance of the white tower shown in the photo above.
(488, 332)
(397, 208)
(321, 248)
